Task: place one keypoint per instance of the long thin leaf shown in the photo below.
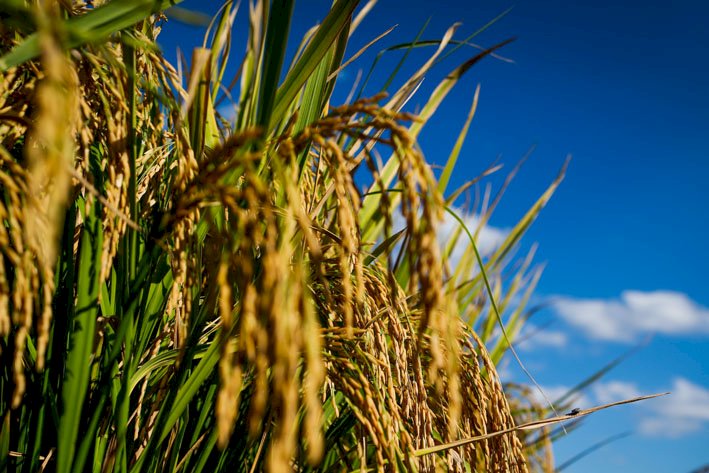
(78, 364)
(453, 157)
(330, 29)
(92, 27)
(537, 424)
(279, 19)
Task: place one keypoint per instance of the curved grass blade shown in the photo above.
(407, 46)
(170, 414)
(326, 35)
(590, 450)
(455, 152)
(318, 90)
(163, 360)
(95, 26)
(78, 364)
(371, 227)
(600, 373)
(385, 247)
(476, 33)
(493, 305)
(354, 57)
(537, 424)
(279, 19)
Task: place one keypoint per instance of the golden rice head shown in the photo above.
(417, 360)
(346, 200)
(421, 208)
(16, 291)
(538, 446)
(307, 248)
(421, 204)
(102, 115)
(193, 187)
(230, 373)
(116, 187)
(381, 372)
(106, 115)
(505, 449)
(391, 357)
(405, 381)
(17, 86)
(50, 154)
(313, 382)
(264, 314)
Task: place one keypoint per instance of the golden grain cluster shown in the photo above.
(246, 292)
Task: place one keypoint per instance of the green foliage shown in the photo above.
(182, 292)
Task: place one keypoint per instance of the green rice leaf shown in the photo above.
(76, 378)
(326, 35)
(93, 27)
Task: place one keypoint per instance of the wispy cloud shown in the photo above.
(636, 313)
(612, 391)
(228, 110)
(683, 412)
(533, 337)
(556, 392)
(488, 240)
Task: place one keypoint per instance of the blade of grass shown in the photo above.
(533, 425)
(590, 450)
(5, 442)
(170, 414)
(359, 53)
(455, 152)
(328, 32)
(600, 373)
(92, 27)
(317, 91)
(476, 33)
(397, 100)
(274, 53)
(408, 47)
(370, 204)
(493, 305)
(524, 223)
(78, 358)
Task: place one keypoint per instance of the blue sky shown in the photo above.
(621, 86)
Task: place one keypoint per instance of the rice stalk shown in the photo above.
(224, 296)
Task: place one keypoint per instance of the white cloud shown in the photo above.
(677, 427)
(228, 111)
(634, 314)
(488, 240)
(504, 371)
(683, 412)
(613, 391)
(532, 337)
(556, 392)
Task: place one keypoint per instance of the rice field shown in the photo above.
(184, 291)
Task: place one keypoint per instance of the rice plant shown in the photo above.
(184, 291)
